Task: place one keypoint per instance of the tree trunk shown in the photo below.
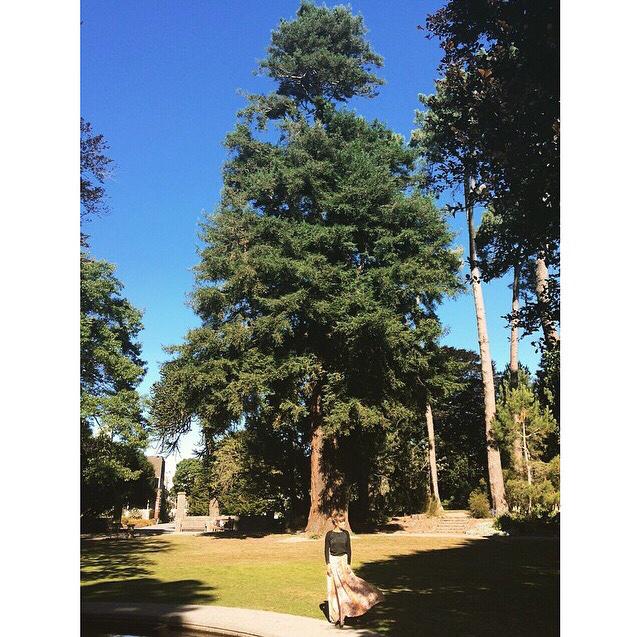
(435, 506)
(494, 464)
(518, 460)
(326, 492)
(551, 337)
(527, 460)
(515, 309)
(157, 501)
(514, 365)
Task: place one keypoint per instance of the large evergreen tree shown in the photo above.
(321, 269)
(113, 432)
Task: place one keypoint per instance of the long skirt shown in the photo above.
(348, 595)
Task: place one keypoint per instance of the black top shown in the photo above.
(337, 543)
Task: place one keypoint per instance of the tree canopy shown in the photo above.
(113, 431)
(321, 268)
(322, 56)
(112, 425)
(94, 169)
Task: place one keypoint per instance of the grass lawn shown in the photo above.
(434, 586)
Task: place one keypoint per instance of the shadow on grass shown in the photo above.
(117, 559)
(240, 535)
(113, 570)
(495, 587)
(149, 530)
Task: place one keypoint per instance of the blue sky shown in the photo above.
(160, 81)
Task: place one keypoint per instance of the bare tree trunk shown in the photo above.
(324, 498)
(527, 459)
(551, 337)
(494, 464)
(435, 506)
(514, 365)
(518, 461)
(157, 501)
(515, 310)
(529, 476)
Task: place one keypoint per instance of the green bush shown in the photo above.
(479, 504)
(524, 498)
(537, 523)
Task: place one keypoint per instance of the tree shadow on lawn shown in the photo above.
(496, 587)
(239, 535)
(117, 559)
(125, 567)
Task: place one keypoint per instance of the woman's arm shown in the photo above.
(349, 549)
(327, 547)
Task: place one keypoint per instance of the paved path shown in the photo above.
(217, 620)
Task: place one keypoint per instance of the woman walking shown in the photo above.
(347, 595)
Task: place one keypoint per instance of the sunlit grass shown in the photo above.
(434, 585)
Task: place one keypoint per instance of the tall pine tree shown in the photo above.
(321, 270)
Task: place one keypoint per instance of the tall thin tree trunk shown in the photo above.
(527, 460)
(494, 464)
(515, 309)
(514, 366)
(551, 337)
(322, 493)
(435, 506)
(157, 501)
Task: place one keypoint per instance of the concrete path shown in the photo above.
(215, 620)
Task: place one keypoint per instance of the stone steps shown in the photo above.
(453, 522)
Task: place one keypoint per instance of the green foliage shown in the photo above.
(537, 523)
(110, 363)
(322, 56)
(524, 429)
(547, 386)
(191, 478)
(397, 481)
(539, 496)
(521, 419)
(459, 425)
(112, 474)
(495, 116)
(321, 269)
(250, 475)
(496, 111)
(94, 169)
(112, 426)
(479, 504)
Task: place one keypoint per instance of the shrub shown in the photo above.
(540, 496)
(537, 523)
(479, 504)
(137, 521)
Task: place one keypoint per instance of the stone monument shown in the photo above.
(181, 510)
